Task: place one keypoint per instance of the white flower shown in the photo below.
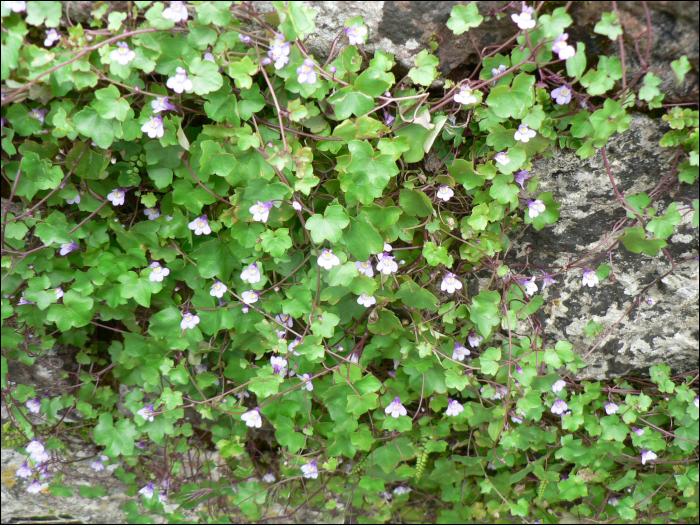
(530, 286)
(151, 213)
(559, 407)
(356, 34)
(395, 408)
(697, 401)
(36, 487)
(251, 274)
(524, 19)
(611, 408)
(35, 447)
(638, 431)
(74, 201)
(327, 259)
(497, 71)
(52, 36)
(614, 502)
(308, 385)
(34, 406)
(296, 205)
(208, 57)
(200, 226)
(252, 418)
(561, 48)
(535, 207)
(365, 268)
(97, 465)
(648, 455)
(279, 365)
(306, 73)
(459, 353)
(147, 491)
(388, 247)
(558, 385)
(161, 104)
(502, 158)
(386, 264)
(524, 133)
(116, 197)
(122, 55)
(218, 289)
(269, 478)
(154, 127)
(180, 82)
(279, 51)
(454, 407)
(24, 471)
(354, 357)
(474, 339)
(562, 94)
(146, 412)
(285, 319)
(189, 320)
(250, 297)
(401, 490)
(158, 273)
(465, 96)
(310, 470)
(590, 278)
(445, 193)
(450, 283)
(261, 211)
(366, 300)
(177, 12)
(17, 7)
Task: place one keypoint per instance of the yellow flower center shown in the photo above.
(216, 287)
(123, 50)
(188, 317)
(157, 269)
(564, 92)
(179, 78)
(154, 123)
(327, 255)
(365, 265)
(451, 280)
(261, 209)
(305, 69)
(200, 224)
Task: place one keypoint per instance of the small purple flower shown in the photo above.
(279, 51)
(356, 34)
(68, 247)
(450, 283)
(547, 280)
(189, 320)
(162, 496)
(648, 455)
(590, 278)
(154, 127)
(332, 70)
(36, 486)
(696, 401)
(613, 502)
(460, 352)
(23, 301)
(389, 119)
(308, 385)
(398, 491)
(445, 193)
(159, 272)
(328, 259)
(177, 12)
(74, 201)
(162, 104)
(252, 418)
(296, 205)
(38, 114)
(474, 339)
(180, 82)
(147, 491)
(524, 19)
(200, 226)
(209, 57)
(218, 289)
(524, 133)
(395, 408)
(497, 71)
(530, 285)
(366, 300)
(285, 319)
(502, 158)
(269, 478)
(278, 365)
(306, 72)
(521, 177)
(558, 385)
(251, 274)
(250, 297)
(561, 48)
(151, 213)
(562, 94)
(454, 407)
(116, 196)
(146, 412)
(17, 7)
(34, 406)
(35, 447)
(465, 96)
(559, 407)
(244, 38)
(97, 465)
(310, 470)
(52, 37)
(611, 408)
(365, 268)
(638, 431)
(387, 265)
(24, 471)
(260, 211)
(122, 55)
(266, 61)
(518, 369)
(140, 444)
(535, 208)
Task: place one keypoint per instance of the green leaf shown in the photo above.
(609, 26)
(205, 76)
(276, 242)
(415, 203)
(139, 287)
(362, 240)
(329, 226)
(503, 191)
(109, 105)
(76, 311)
(44, 13)
(515, 101)
(484, 311)
(425, 71)
(414, 296)
(576, 65)
(216, 13)
(325, 324)
(347, 102)
(680, 67)
(57, 489)
(241, 71)
(635, 241)
(92, 125)
(213, 260)
(87, 491)
(214, 160)
(55, 229)
(663, 227)
(435, 255)
(650, 88)
(358, 405)
(118, 439)
(462, 18)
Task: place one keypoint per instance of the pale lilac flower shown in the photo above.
(146, 412)
(524, 133)
(454, 407)
(244, 38)
(648, 455)
(638, 431)
(524, 19)
(122, 55)
(154, 127)
(151, 213)
(521, 177)
(250, 297)
(162, 104)
(697, 402)
(356, 34)
(308, 385)
(501, 158)
(24, 471)
(177, 12)
(34, 406)
(200, 226)
(285, 319)
(279, 51)
(562, 94)
(327, 259)
(180, 82)
(398, 491)
(559, 407)
(310, 470)
(306, 72)
(23, 301)
(266, 61)
(613, 502)
(561, 48)
(35, 447)
(59, 292)
(459, 352)
(516, 419)
(208, 57)
(535, 207)
(354, 357)
(140, 444)
(547, 280)
(147, 491)
(36, 486)
(165, 483)
(189, 320)
(497, 71)
(366, 300)
(450, 283)
(38, 114)
(387, 265)
(395, 408)
(269, 478)
(611, 408)
(332, 70)
(116, 196)
(385, 495)
(365, 268)
(251, 274)
(252, 418)
(590, 278)
(296, 205)
(162, 496)
(387, 247)
(445, 193)
(159, 272)
(40, 456)
(558, 385)
(52, 37)
(17, 7)
(97, 465)
(465, 96)
(278, 365)
(530, 286)
(74, 201)
(218, 289)
(474, 339)
(260, 211)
